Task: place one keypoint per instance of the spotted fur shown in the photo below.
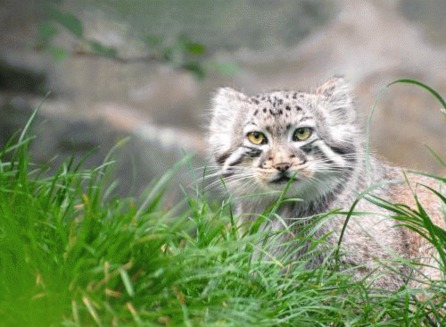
(327, 171)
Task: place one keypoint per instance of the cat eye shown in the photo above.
(256, 138)
(302, 134)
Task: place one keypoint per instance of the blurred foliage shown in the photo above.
(222, 25)
(185, 34)
(182, 52)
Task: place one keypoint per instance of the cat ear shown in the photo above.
(225, 98)
(227, 106)
(335, 87)
(339, 97)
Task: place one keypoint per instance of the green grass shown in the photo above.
(72, 255)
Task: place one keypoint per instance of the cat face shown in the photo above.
(307, 142)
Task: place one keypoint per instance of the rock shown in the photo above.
(149, 151)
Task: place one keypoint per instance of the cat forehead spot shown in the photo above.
(277, 97)
(288, 106)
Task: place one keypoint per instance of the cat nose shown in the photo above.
(282, 166)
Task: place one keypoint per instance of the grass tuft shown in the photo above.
(73, 255)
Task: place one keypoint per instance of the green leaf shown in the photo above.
(195, 49)
(59, 54)
(195, 68)
(186, 45)
(46, 32)
(103, 50)
(69, 21)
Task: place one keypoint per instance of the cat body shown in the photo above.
(312, 145)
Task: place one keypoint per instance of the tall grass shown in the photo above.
(72, 255)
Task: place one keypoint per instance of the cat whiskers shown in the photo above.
(239, 175)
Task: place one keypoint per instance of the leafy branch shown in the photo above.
(183, 53)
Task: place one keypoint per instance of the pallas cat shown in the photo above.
(313, 144)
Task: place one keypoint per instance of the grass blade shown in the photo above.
(434, 93)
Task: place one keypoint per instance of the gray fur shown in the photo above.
(329, 167)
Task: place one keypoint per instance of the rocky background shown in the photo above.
(95, 102)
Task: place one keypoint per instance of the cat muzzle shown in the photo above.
(282, 178)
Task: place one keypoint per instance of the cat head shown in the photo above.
(308, 141)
